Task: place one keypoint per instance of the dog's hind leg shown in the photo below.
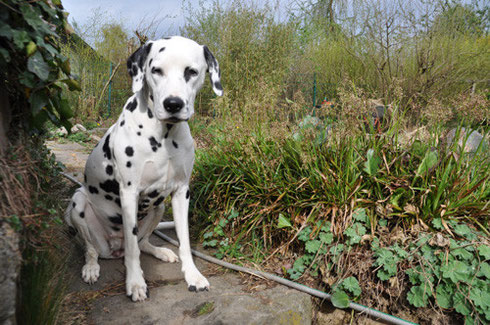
(161, 253)
(76, 216)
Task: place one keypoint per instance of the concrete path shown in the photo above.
(227, 302)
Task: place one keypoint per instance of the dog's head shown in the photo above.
(174, 70)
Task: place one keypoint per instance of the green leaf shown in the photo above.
(340, 299)
(6, 31)
(20, 38)
(31, 48)
(484, 270)
(304, 235)
(443, 296)
(313, 246)
(360, 215)
(351, 284)
(38, 100)
(418, 296)
(372, 163)
(437, 223)
(355, 233)
(64, 109)
(456, 271)
(326, 238)
(427, 163)
(36, 65)
(72, 84)
(484, 251)
(283, 222)
(460, 304)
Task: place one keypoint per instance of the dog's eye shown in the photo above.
(190, 72)
(157, 71)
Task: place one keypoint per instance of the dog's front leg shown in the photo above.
(180, 206)
(136, 287)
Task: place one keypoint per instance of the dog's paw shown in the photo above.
(137, 291)
(166, 255)
(90, 273)
(196, 281)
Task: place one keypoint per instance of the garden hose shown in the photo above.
(314, 292)
(317, 293)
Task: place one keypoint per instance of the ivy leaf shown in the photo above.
(38, 100)
(460, 304)
(484, 270)
(484, 251)
(312, 246)
(360, 215)
(418, 296)
(456, 271)
(340, 299)
(372, 163)
(443, 296)
(326, 238)
(283, 222)
(351, 284)
(304, 235)
(20, 38)
(36, 65)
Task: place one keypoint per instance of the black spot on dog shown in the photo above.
(117, 219)
(138, 133)
(168, 37)
(132, 105)
(141, 216)
(85, 178)
(110, 186)
(74, 204)
(106, 149)
(108, 197)
(115, 228)
(217, 85)
(129, 151)
(158, 201)
(146, 200)
(192, 288)
(175, 144)
(128, 164)
(166, 135)
(129, 183)
(149, 63)
(122, 123)
(135, 230)
(150, 114)
(82, 214)
(154, 144)
(109, 170)
(118, 201)
(93, 189)
(140, 126)
(153, 194)
(72, 231)
(189, 73)
(188, 194)
(151, 97)
(162, 49)
(169, 126)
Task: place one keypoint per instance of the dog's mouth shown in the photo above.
(174, 119)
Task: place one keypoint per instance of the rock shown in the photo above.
(9, 271)
(78, 128)
(225, 303)
(473, 140)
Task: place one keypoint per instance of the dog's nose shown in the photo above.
(173, 104)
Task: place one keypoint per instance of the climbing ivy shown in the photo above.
(31, 64)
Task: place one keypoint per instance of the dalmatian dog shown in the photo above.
(143, 158)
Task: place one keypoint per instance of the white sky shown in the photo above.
(131, 12)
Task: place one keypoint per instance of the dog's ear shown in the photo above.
(136, 66)
(214, 72)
